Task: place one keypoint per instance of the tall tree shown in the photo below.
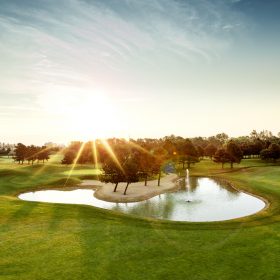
(234, 152)
(147, 162)
(43, 154)
(122, 167)
(112, 173)
(200, 151)
(210, 150)
(272, 152)
(221, 156)
(222, 138)
(160, 155)
(130, 167)
(187, 153)
(20, 153)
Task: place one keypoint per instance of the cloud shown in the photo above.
(110, 34)
(107, 44)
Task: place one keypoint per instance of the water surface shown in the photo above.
(198, 200)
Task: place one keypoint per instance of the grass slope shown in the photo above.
(55, 241)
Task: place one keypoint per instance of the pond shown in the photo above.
(199, 200)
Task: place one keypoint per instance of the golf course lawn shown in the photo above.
(56, 241)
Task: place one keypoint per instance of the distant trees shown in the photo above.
(231, 153)
(86, 153)
(30, 153)
(271, 153)
(71, 152)
(5, 149)
(151, 154)
(43, 154)
(69, 157)
(221, 156)
(222, 138)
(200, 151)
(20, 153)
(187, 153)
(210, 150)
(258, 144)
(234, 152)
(250, 147)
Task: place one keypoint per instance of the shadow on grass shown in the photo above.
(23, 211)
(97, 241)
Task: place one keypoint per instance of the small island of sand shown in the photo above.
(136, 191)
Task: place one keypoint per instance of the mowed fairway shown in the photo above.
(56, 241)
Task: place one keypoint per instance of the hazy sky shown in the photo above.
(80, 69)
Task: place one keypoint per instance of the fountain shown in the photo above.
(187, 184)
(187, 178)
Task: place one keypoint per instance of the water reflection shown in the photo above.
(199, 199)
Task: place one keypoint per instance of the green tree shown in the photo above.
(146, 164)
(43, 154)
(234, 152)
(71, 152)
(112, 173)
(130, 167)
(20, 153)
(160, 155)
(187, 153)
(210, 150)
(272, 152)
(200, 151)
(122, 167)
(221, 156)
(222, 138)
(69, 157)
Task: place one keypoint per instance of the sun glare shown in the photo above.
(84, 113)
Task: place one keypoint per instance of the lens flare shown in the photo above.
(40, 170)
(133, 144)
(112, 154)
(75, 162)
(94, 152)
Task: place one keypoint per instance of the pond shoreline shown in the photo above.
(233, 185)
(204, 196)
(135, 192)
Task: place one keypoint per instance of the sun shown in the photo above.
(82, 113)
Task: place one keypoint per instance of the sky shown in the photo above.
(84, 69)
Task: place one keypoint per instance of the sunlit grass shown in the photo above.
(80, 172)
(75, 162)
(49, 241)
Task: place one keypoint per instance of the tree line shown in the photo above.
(6, 149)
(30, 153)
(135, 160)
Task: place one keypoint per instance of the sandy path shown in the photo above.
(135, 192)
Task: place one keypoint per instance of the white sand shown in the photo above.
(135, 192)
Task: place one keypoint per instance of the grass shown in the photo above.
(56, 241)
(81, 172)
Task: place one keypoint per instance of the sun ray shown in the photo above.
(42, 168)
(112, 154)
(94, 152)
(133, 144)
(95, 156)
(75, 162)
